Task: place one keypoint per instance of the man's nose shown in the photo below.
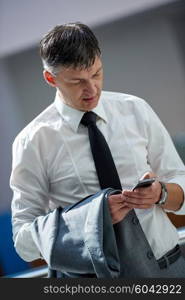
(91, 88)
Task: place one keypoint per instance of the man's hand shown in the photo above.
(118, 207)
(141, 198)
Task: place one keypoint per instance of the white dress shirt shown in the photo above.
(53, 165)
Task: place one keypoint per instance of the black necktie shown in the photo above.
(104, 163)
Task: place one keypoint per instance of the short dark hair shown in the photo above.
(72, 44)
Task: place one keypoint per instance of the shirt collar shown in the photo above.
(73, 116)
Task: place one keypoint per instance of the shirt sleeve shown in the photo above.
(162, 154)
(30, 195)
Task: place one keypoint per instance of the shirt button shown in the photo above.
(150, 254)
(135, 221)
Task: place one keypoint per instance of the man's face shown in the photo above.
(80, 88)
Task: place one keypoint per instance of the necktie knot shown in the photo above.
(89, 118)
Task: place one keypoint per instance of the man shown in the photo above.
(52, 160)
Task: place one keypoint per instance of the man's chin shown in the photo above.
(89, 105)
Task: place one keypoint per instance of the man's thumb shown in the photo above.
(148, 175)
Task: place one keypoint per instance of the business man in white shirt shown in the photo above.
(52, 160)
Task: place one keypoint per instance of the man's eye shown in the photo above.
(97, 74)
(76, 82)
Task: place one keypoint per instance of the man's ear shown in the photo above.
(50, 79)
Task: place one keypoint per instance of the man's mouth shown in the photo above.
(89, 99)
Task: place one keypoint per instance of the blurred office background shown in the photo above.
(143, 45)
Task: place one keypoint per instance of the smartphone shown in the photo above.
(144, 183)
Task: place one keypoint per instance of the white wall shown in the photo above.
(9, 123)
(142, 56)
(23, 22)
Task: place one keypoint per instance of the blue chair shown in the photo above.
(10, 262)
